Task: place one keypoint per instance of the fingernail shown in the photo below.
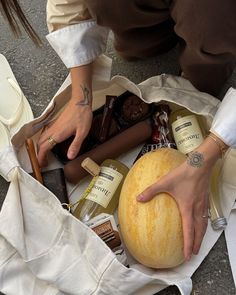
(140, 198)
(188, 257)
(71, 155)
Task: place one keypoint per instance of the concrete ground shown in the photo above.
(40, 73)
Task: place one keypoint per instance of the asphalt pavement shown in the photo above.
(40, 73)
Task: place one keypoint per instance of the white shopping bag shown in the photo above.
(61, 253)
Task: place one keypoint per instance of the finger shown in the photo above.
(199, 232)
(188, 232)
(44, 135)
(150, 192)
(201, 222)
(45, 147)
(42, 153)
(47, 131)
(74, 147)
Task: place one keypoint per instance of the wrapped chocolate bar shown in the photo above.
(107, 120)
(161, 132)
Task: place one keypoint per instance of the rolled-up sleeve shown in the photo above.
(74, 35)
(224, 123)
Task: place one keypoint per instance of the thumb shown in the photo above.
(149, 193)
(74, 147)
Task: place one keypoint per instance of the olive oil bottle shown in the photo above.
(105, 193)
(186, 130)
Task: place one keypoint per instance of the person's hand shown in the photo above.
(190, 188)
(189, 185)
(74, 120)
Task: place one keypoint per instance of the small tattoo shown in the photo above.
(195, 159)
(87, 97)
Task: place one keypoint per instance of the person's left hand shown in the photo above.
(189, 186)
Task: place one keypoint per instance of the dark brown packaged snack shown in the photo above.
(110, 149)
(107, 118)
(129, 109)
(134, 109)
(54, 180)
(95, 130)
(60, 150)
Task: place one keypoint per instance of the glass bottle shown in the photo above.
(189, 134)
(105, 193)
(186, 130)
(218, 221)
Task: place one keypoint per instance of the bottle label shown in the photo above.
(105, 186)
(187, 134)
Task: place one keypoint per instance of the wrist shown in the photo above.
(81, 78)
(80, 101)
(75, 106)
(204, 157)
(222, 146)
(209, 151)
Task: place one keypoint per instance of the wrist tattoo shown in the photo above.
(86, 96)
(195, 159)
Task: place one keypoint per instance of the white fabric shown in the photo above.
(79, 44)
(229, 178)
(16, 277)
(61, 251)
(8, 157)
(224, 123)
(14, 107)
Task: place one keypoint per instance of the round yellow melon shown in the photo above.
(152, 231)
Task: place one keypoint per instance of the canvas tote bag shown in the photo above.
(48, 251)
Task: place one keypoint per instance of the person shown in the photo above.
(78, 33)
(206, 33)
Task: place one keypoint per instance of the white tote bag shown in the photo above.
(57, 254)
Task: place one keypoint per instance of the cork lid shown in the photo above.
(91, 167)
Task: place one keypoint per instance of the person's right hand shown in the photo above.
(74, 120)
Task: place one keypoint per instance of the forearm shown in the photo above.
(81, 78)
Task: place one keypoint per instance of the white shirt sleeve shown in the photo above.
(224, 123)
(79, 44)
